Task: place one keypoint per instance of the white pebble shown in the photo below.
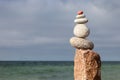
(80, 16)
(81, 20)
(81, 30)
(81, 43)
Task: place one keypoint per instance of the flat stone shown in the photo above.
(87, 65)
(80, 16)
(81, 43)
(81, 30)
(81, 20)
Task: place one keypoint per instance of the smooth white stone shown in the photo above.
(81, 30)
(81, 20)
(81, 43)
(80, 16)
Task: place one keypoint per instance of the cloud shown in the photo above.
(41, 22)
(21, 24)
(104, 25)
(24, 20)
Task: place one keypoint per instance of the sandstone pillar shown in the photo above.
(87, 65)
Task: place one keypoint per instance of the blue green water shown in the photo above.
(50, 70)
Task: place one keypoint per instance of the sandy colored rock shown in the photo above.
(87, 65)
(81, 43)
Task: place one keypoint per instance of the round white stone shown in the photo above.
(80, 16)
(81, 43)
(81, 30)
(81, 20)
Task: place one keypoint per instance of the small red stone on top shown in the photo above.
(80, 12)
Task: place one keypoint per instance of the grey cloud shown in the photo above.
(32, 20)
(108, 5)
(43, 17)
(44, 22)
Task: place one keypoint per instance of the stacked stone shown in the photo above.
(81, 31)
(87, 63)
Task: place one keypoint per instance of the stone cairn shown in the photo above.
(87, 63)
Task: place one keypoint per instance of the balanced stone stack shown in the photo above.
(87, 63)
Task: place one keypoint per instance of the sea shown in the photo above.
(51, 70)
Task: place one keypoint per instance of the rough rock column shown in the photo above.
(87, 63)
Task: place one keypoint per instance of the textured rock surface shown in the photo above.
(81, 30)
(87, 65)
(81, 43)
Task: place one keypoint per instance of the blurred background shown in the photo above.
(39, 30)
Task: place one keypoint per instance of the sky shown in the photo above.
(39, 30)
